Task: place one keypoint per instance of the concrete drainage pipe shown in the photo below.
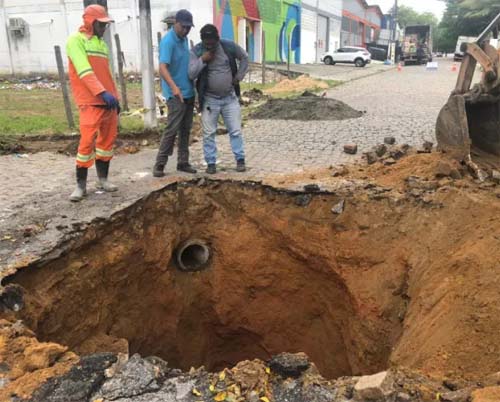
(193, 255)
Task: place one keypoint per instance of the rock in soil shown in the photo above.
(380, 150)
(312, 188)
(371, 158)
(389, 140)
(289, 365)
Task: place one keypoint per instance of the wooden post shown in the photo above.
(62, 80)
(288, 58)
(158, 38)
(263, 58)
(276, 58)
(121, 78)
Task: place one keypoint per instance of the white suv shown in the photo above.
(358, 56)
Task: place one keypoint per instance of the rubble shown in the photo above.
(374, 387)
(289, 365)
(351, 149)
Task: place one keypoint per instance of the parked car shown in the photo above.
(358, 56)
(438, 54)
(377, 53)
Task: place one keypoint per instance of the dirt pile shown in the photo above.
(302, 83)
(305, 108)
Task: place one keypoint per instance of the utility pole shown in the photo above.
(394, 31)
(147, 64)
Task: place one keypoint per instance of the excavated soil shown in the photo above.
(399, 270)
(305, 107)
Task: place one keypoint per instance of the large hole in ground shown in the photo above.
(281, 277)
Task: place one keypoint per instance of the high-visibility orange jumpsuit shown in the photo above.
(90, 75)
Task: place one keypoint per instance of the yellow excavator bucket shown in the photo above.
(471, 117)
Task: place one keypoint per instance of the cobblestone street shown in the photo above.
(402, 104)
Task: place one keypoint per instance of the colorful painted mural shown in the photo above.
(279, 19)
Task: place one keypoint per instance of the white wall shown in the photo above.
(334, 43)
(308, 36)
(50, 22)
(309, 25)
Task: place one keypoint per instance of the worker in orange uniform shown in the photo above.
(97, 98)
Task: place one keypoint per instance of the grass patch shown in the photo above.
(41, 112)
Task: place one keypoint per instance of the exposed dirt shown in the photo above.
(402, 273)
(306, 107)
(68, 144)
(299, 84)
(27, 361)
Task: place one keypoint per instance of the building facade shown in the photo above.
(361, 23)
(299, 31)
(252, 22)
(49, 22)
(320, 28)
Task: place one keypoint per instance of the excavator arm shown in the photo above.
(471, 117)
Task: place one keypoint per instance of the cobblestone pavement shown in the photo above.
(402, 104)
(341, 72)
(35, 188)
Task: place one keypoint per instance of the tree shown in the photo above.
(465, 17)
(408, 16)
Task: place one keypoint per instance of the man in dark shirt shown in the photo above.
(213, 64)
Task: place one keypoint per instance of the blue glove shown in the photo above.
(110, 101)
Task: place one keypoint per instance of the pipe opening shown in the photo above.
(193, 255)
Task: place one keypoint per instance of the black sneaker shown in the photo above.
(240, 165)
(158, 171)
(211, 169)
(186, 167)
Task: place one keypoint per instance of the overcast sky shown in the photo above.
(435, 6)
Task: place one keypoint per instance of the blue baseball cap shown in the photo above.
(184, 17)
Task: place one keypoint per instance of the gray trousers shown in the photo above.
(179, 120)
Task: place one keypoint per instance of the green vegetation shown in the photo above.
(465, 17)
(462, 17)
(41, 112)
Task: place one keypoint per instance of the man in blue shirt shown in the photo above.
(178, 89)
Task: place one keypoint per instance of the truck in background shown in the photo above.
(417, 45)
(459, 55)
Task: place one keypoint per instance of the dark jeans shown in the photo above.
(180, 120)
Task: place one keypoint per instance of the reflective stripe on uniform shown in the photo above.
(102, 152)
(85, 72)
(79, 48)
(96, 53)
(85, 158)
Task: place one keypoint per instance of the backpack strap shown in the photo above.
(229, 48)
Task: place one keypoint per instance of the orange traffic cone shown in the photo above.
(400, 66)
(454, 67)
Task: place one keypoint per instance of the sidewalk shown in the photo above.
(340, 72)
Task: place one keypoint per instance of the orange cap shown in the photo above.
(97, 13)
